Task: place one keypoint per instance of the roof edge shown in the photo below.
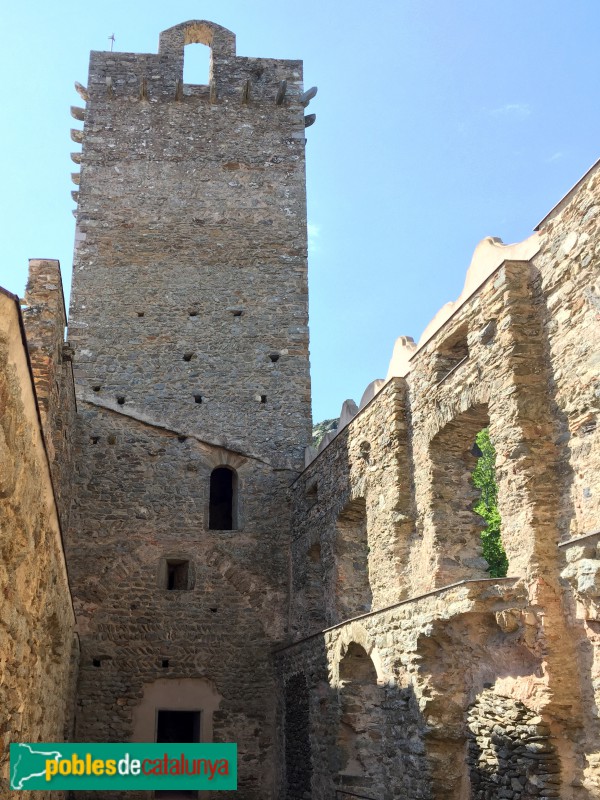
(566, 197)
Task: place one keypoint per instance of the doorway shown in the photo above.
(174, 727)
(178, 726)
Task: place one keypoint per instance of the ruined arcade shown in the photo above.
(189, 568)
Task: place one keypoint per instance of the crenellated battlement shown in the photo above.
(153, 77)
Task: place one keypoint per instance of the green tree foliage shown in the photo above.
(484, 478)
(322, 428)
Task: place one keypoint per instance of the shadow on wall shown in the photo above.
(362, 723)
(351, 731)
(371, 735)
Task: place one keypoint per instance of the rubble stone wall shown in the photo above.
(298, 766)
(189, 323)
(189, 298)
(141, 499)
(405, 730)
(45, 321)
(510, 752)
(345, 633)
(38, 647)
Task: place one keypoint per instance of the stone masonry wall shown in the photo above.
(519, 356)
(190, 276)
(432, 656)
(141, 498)
(510, 752)
(298, 767)
(569, 277)
(370, 461)
(189, 323)
(45, 321)
(38, 648)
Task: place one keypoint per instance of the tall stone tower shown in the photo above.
(189, 322)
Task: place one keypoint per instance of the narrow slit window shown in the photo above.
(223, 490)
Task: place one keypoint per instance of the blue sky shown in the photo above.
(438, 123)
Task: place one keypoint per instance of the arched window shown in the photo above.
(222, 514)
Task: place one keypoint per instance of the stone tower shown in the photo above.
(192, 245)
(189, 322)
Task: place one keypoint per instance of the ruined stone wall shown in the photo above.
(45, 321)
(38, 648)
(570, 280)
(569, 277)
(519, 355)
(367, 462)
(432, 655)
(189, 295)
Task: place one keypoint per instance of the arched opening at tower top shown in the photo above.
(196, 64)
(222, 514)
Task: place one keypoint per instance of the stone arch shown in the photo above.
(215, 456)
(361, 724)
(355, 633)
(476, 395)
(220, 40)
(456, 526)
(176, 694)
(353, 594)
